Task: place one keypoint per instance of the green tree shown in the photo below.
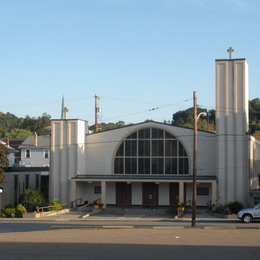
(8, 121)
(185, 119)
(254, 114)
(38, 124)
(18, 133)
(4, 163)
(108, 126)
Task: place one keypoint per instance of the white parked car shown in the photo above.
(247, 215)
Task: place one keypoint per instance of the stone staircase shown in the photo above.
(161, 211)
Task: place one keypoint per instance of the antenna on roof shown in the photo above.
(64, 110)
(97, 110)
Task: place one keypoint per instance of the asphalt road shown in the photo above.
(170, 243)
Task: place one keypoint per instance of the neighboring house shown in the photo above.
(151, 164)
(30, 170)
(35, 151)
(12, 156)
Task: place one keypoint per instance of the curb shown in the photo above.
(150, 227)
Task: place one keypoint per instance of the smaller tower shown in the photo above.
(64, 110)
(97, 110)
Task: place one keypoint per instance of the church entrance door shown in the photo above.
(150, 194)
(123, 194)
(174, 194)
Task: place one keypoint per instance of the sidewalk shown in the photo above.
(131, 215)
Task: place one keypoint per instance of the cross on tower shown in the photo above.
(230, 50)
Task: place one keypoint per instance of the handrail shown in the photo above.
(40, 209)
(188, 203)
(86, 205)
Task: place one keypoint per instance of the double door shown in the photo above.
(150, 194)
(123, 194)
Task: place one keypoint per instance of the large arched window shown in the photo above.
(151, 151)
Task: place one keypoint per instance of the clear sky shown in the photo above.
(143, 58)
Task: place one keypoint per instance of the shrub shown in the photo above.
(235, 206)
(8, 212)
(20, 210)
(31, 198)
(223, 209)
(53, 203)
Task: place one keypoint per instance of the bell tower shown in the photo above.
(232, 128)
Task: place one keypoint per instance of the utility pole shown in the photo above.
(195, 133)
(195, 151)
(97, 110)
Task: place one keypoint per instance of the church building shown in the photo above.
(150, 164)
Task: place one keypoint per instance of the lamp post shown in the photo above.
(195, 148)
(1, 191)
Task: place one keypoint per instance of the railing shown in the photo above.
(86, 205)
(188, 203)
(71, 203)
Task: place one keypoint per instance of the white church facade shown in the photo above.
(150, 164)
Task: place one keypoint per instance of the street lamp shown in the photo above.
(1, 191)
(195, 145)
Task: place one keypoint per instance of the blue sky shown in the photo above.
(144, 58)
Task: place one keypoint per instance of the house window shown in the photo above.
(203, 191)
(46, 154)
(151, 151)
(27, 153)
(97, 189)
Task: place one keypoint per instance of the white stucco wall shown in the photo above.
(231, 127)
(137, 197)
(201, 200)
(101, 148)
(37, 157)
(254, 148)
(164, 199)
(67, 156)
(8, 193)
(111, 193)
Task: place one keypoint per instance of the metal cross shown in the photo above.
(230, 50)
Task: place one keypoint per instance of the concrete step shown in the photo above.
(137, 210)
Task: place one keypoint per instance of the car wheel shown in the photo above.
(247, 218)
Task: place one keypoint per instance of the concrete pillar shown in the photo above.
(73, 191)
(181, 191)
(214, 192)
(103, 193)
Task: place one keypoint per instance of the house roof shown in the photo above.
(10, 149)
(43, 142)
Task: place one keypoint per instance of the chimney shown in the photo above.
(7, 142)
(35, 140)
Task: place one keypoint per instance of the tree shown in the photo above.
(8, 121)
(4, 163)
(37, 125)
(18, 133)
(108, 126)
(254, 114)
(185, 119)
